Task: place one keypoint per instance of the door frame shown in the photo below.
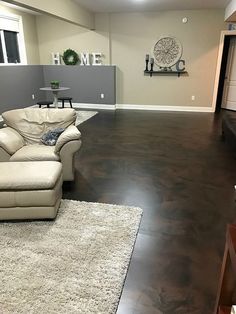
(223, 36)
(226, 73)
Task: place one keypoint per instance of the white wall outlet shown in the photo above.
(102, 95)
(193, 98)
(33, 97)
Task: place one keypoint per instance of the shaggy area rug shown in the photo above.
(84, 116)
(75, 264)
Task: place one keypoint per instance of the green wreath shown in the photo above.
(70, 57)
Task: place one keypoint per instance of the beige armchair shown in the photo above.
(20, 140)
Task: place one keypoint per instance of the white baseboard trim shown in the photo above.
(136, 107)
(84, 106)
(93, 106)
(164, 108)
(143, 107)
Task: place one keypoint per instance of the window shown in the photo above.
(9, 41)
(12, 48)
(1, 53)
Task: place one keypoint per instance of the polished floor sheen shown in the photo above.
(176, 167)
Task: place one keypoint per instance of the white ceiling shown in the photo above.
(149, 5)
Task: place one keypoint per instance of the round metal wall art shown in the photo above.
(167, 51)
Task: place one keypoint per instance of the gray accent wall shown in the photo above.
(18, 84)
(87, 83)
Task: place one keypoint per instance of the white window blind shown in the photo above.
(9, 23)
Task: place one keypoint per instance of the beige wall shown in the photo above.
(130, 36)
(64, 9)
(133, 35)
(30, 34)
(56, 36)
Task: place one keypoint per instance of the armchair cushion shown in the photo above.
(70, 134)
(35, 153)
(32, 123)
(10, 140)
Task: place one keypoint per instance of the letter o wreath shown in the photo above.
(70, 57)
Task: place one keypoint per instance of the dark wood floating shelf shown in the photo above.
(151, 73)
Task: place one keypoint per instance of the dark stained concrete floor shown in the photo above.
(176, 167)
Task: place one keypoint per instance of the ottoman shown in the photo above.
(30, 190)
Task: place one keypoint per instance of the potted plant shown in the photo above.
(54, 84)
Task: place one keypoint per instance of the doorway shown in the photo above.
(225, 67)
(224, 95)
(229, 89)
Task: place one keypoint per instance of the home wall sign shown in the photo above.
(71, 57)
(167, 55)
(94, 58)
(56, 58)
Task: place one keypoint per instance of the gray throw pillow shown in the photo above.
(50, 138)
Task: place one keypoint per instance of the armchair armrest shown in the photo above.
(70, 134)
(10, 140)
